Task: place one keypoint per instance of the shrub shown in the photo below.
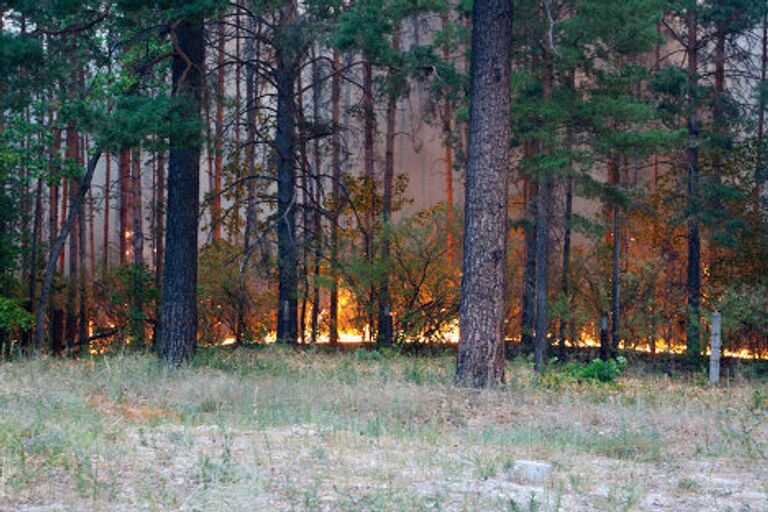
(602, 371)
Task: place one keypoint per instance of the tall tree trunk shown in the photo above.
(37, 234)
(369, 127)
(613, 237)
(543, 213)
(82, 275)
(694, 242)
(528, 306)
(448, 155)
(219, 143)
(317, 234)
(126, 208)
(53, 230)
(306, 195)
(178, 314)
(616, 283)
(286, 57)
(385, 332)
(564, 273)
(760, 172)
(480, 361)
(159, 253)
(64, 202)
(543, 206)
(159, 217)
(333, 334)
(137, 315)
(251, 210)
(234, 232)
(105, 226)
(70, 327)
(56, 249)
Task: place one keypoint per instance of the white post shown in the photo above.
(714, 350)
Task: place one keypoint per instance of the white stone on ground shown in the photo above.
(532, 472)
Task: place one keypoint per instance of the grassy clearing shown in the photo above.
(275, 429)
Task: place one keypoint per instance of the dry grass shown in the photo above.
(280, 430)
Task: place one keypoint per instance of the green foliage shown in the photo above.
(602, 371)
(742, 309)
(597, 371)
(136, 286)
(13, 316)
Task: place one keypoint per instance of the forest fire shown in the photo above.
(450, 335)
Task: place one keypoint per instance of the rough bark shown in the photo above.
(286, 69)
(178, 314)
(480, 361)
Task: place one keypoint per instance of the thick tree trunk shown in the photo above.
(333, 322)
(384, 332)
(285, 79)
(694, 241)
(178, 314)
(480, 361)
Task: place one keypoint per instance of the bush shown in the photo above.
(596, 371)
(13, 316)
(602, 371)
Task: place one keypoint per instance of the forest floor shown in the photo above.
(274, 429)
